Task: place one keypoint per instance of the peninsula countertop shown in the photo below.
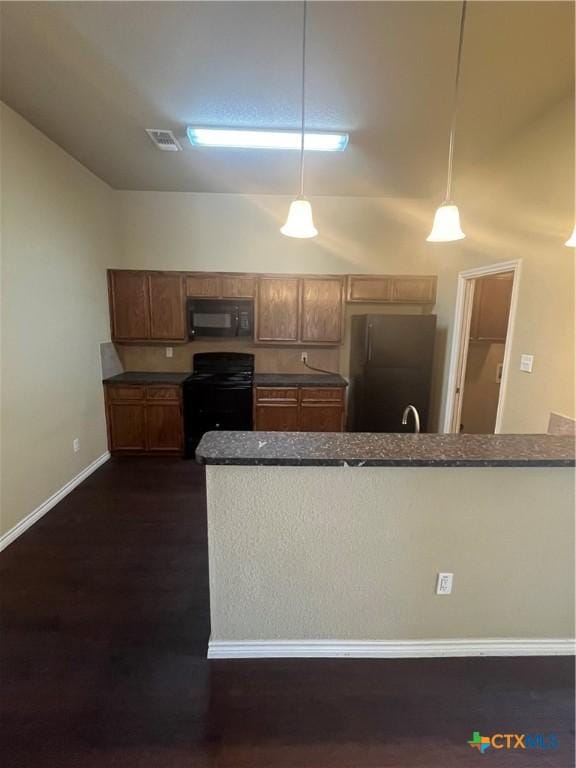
(368, 449)
(299, 380)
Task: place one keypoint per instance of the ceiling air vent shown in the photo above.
(164, 140)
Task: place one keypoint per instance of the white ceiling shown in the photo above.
(93, 76)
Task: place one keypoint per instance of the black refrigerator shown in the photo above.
(390, 368)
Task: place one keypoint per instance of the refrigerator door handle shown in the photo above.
(369, 343)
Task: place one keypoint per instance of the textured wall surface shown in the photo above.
(353, 553)
(57, 240)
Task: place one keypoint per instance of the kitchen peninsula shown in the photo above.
(330, 545)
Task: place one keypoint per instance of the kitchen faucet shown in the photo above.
(416, 417)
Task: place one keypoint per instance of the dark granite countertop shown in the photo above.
(144, 377)
(299, 380)
(368, 449)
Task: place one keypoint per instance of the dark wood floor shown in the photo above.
(105, 623)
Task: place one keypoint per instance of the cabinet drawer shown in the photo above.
(276, 395)
(163, 393)
(322, 395)
(128, 392)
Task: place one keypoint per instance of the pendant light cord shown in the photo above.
(455, 110)
(305, 4)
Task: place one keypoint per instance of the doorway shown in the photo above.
(483, 325)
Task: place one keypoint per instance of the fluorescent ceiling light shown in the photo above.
(256, 139)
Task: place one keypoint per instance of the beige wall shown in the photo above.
(308, 553)
(57, 240)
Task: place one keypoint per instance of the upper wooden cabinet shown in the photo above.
(166, 307)
(219, 286)
(277, 309)
(129, 305)
(146, 306)
(321, 310)
(491, 307)
(395, 289)
(294, 310)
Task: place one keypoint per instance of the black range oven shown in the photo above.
(219, 317)
(218, 395)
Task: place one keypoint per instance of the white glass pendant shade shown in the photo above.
(571, 242)
(299, 222)
(446, 226)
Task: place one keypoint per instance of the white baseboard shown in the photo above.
(388, 649)
(47, 505)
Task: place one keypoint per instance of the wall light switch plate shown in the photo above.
(444, 583)
(526, 363)
(169, 352)
(76, 445)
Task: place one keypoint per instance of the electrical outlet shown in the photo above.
(444, 583)
(76, 444)
(169, 351)
(304, 357)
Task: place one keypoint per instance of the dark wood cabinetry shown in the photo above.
(392, 289)
(213, 285)
(322, 306)
(491, 307)
(299, 409)
(300, 310)
(144, 419)
(146, 306)
(129, 305)
(277, 309)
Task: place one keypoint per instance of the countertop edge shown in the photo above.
(374, 463)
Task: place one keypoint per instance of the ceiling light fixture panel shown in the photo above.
(235, 138)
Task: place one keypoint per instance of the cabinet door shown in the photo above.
(126, 424)
(237, 287)
(164, 427)
(321, 418)
(277, 418)
(413, 290)
(129, 306)
(167, 307)
(321, 310)
(368, 288)
(491, 307)
(277, 309)
(204, 286)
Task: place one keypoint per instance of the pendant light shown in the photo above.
(299, 222)
(571, 242)
(446, 226)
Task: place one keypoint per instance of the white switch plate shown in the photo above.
(169, 352)
(304, 357)
(526, 363)
(76, 444)
(444, 583)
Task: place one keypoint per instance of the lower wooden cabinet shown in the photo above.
(144, 419)
(299, 409)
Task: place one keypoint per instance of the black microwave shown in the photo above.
(219, 317)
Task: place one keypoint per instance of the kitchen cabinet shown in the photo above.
(392, 289)
(167, 321)
(220, 286)
(491, 307)
(300, 310)
(321, 312)
(144, 419)
(146, 306)
(299, 409)
(129, 305)
(277, 309)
